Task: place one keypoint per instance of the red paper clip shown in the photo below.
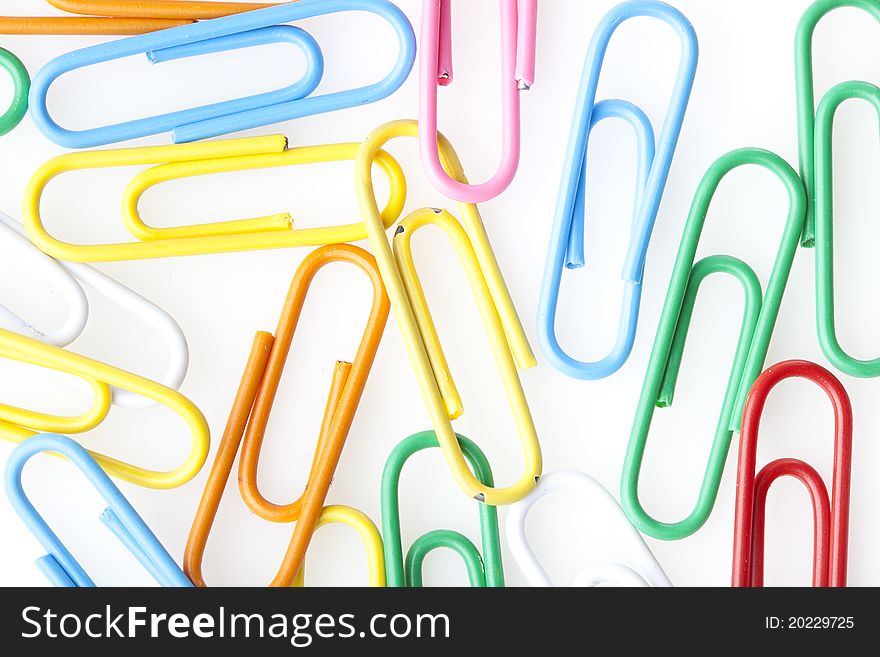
(831, 519)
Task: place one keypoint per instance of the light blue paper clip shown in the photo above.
(258, 27)
(59, 565)
(567, 237)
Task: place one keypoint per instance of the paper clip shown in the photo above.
(808, 137)
(190, 160)
(68, 278)
(107, 17)
(21, 84)
(135, 21)
(18, 424)
(815, 136)
(567, 237)
(518, 37)
(510, 346)
(369, 534)
(179, 11)
(483, 570)
(59, 566)
(831, 519)
(250, 416)
(233, 32)
(611, 523)
(759, 320)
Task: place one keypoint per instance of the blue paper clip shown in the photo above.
(237, 31)
(567, 237)
(60, 566)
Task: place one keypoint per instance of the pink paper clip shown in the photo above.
(518, 40)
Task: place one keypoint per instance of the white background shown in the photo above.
(744, 96)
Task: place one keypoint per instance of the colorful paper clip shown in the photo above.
(518, 37)
(233, 32)
(815, 136)
(18, 424)
(59, 566)
(759, 319)
(641, 567)
(250, 416)
(21, 84)
(135, 20)
(510, 346)
(102, 17)
(831, 518)
(567, 238)
(67, 279)
(190, 160)
(179, 11)
(483, 570)
(369, 534)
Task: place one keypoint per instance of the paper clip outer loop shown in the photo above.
(566, 248)
(806, 99)
(250, 416)
(227, 33)
(189, 160)
(823, 235)
(59, 565)
(518, 35)
(430, 375)
(482, 571)
(831, 518)
(68, 278)
(640, 567)
(21, 84)
(759, 320)
(177, 10)
(16, 425)
(369, 534)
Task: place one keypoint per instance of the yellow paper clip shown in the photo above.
(190, 160)
(510, 346)
(369, 534)
(18, 424)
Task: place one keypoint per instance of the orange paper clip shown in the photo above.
(118, 17)
(253, 404)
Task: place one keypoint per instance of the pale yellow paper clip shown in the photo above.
(369, 534)
(189, 160)
(18, 424)
(509, 343)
